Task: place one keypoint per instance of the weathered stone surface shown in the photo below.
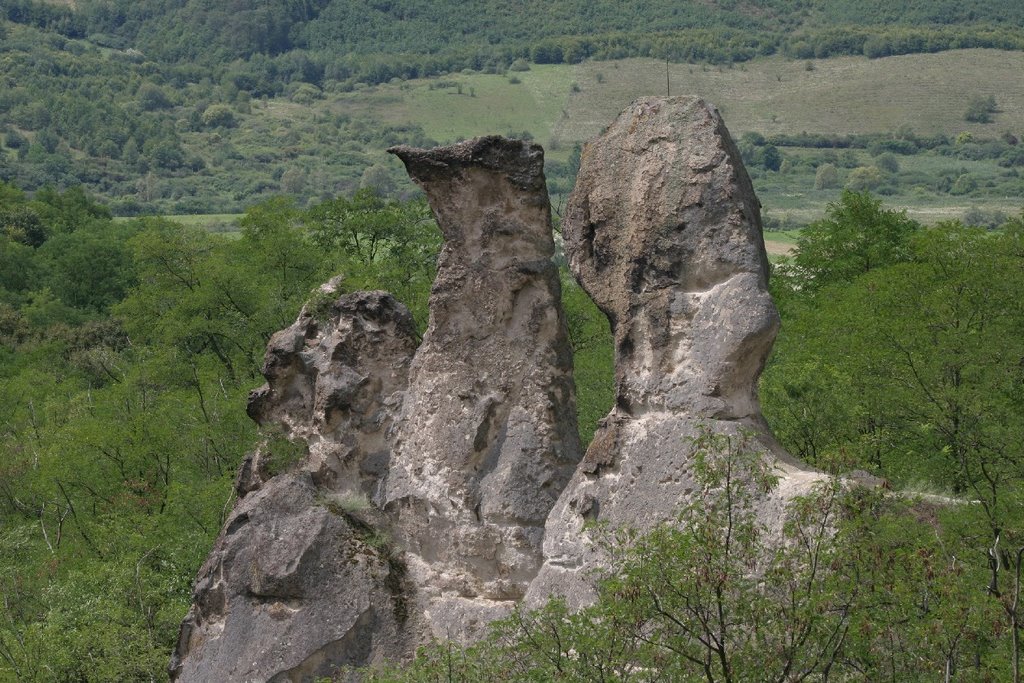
(295, 589)
(334, 382)
(663, 231)
(487, 437)
(303, 578)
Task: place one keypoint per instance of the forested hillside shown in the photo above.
(212, 32)
(207, 108)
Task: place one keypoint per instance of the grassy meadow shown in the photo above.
(561, 105)
(323, 146)
(926, 92)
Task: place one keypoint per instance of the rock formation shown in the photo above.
(487, 437)
(443, 483)
(663, 231)
(419, 509)
(302, 579)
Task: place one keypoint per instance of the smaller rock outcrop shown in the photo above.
(334, 383)
(304, 579)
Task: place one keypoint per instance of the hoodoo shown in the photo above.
(487, 438)
(442, 483)
(663, 230)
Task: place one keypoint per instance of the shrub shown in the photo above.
(888, 163)
(219, 116)
(980, 109)
(864, 178)
(826, 177)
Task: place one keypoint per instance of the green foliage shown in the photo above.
(378, 243)
(864, 178)
(592, 346)
(826, 177)
(861, 585)
(127, 350)
(219, 116)
(856, 236)
(278, 454)
(980, 109)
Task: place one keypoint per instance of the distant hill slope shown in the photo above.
(482, 31)
(196, 106)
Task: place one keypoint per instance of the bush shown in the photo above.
(965, 184)
(980, 109)
(219, 116)
(826, 177)
(864, 178)
(152, 97)
(306, 93)
(888, 163)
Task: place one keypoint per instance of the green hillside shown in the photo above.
(195, 106)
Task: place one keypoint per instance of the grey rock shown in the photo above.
(487, 437)
(334, 382)
(663, 231)
(304, 579)
(295, 589)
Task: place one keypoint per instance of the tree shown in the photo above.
(826, 177)
(920, 363)
(90, 268)
(771, 158)
(379, 243)
(152, 97)
(219, 116)
(887, 162)
(856, 236)
(864, 178)
(980, 109)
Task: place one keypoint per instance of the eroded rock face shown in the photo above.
(663, 231)
(296, 588)
(419, 508)
(487, 437)
(334, 382)
(303, 578)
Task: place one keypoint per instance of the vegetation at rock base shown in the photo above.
(859, 584)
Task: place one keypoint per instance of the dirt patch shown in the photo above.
(778, 248)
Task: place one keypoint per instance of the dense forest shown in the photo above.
(129, 342)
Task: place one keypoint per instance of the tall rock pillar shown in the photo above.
(487, 438)
(663, 231)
